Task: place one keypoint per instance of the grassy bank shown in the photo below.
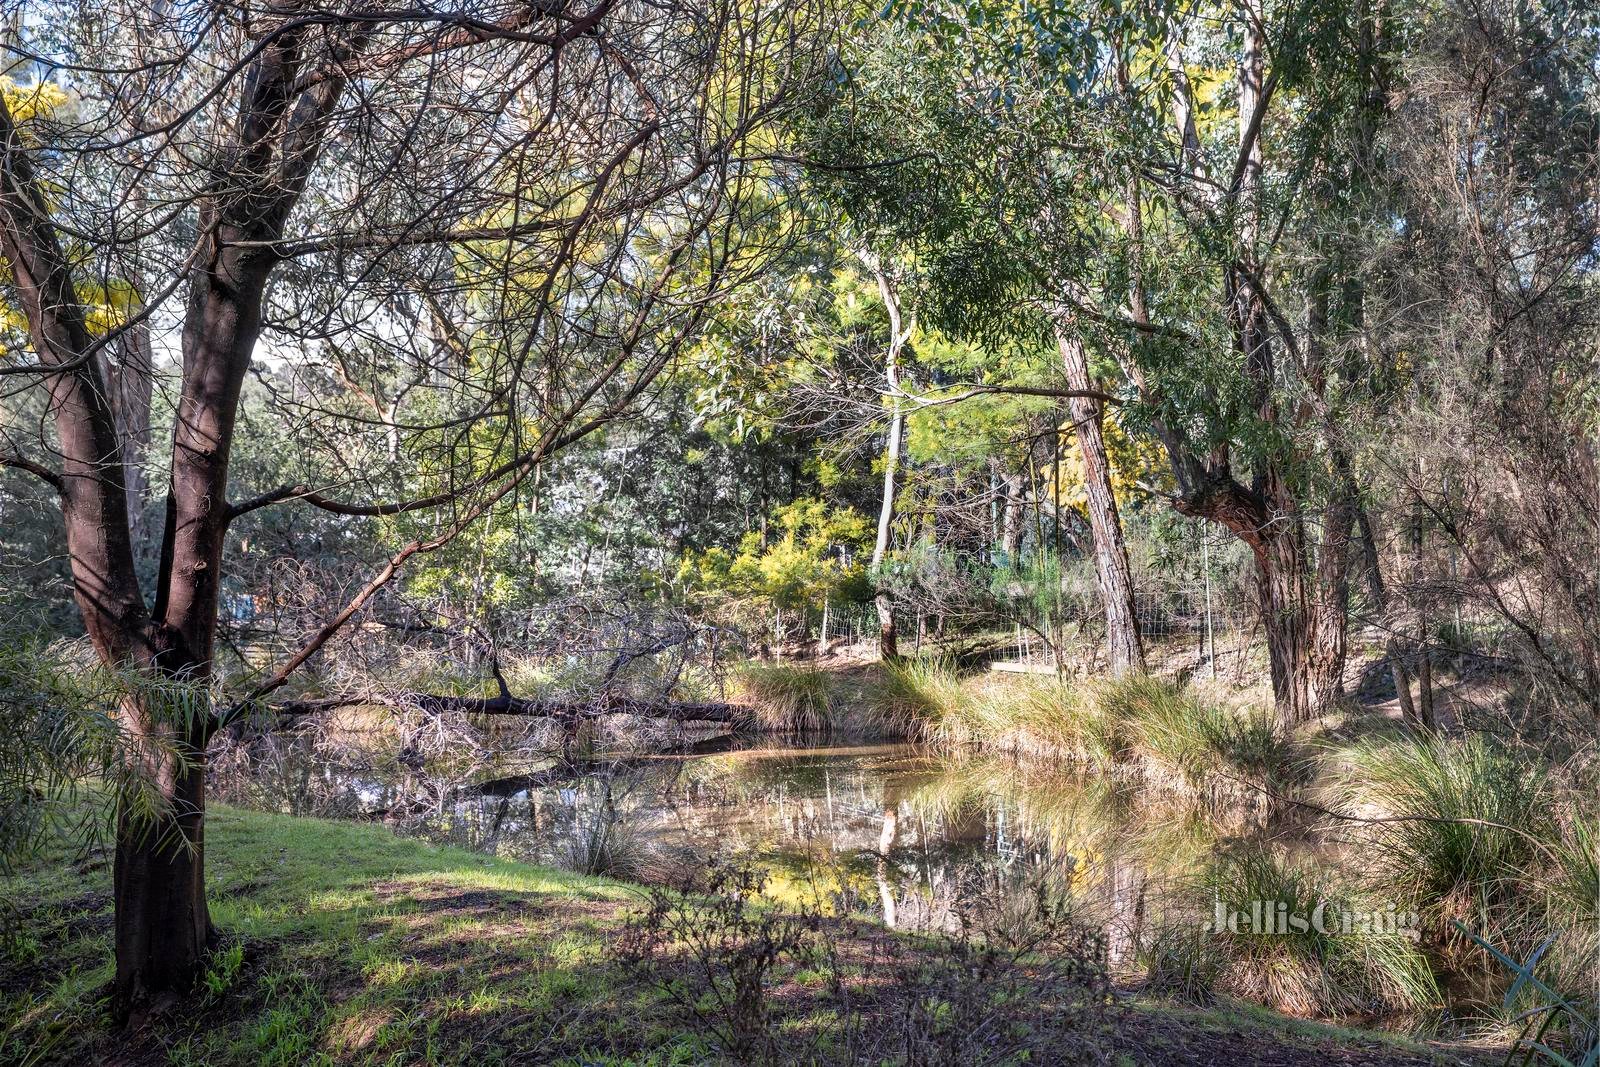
(345, 944)
(1168, 733)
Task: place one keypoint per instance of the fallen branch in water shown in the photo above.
(506, 704)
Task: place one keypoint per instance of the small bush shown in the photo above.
(712, 947)
(1020, 980)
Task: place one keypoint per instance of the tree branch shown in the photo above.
(11, 459)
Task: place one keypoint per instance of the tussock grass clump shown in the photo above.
(1473, 817)
(924, 698)
(1570, 891)
(786, 698)
(1302, 960)
(1474, 836)
(1180, 964)
(1191, 738)
(1071, 719)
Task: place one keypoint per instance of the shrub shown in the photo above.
(728, 944)
(1020, 980)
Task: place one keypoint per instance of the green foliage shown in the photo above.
(60, 744)
(815, 555)
(1195, 738)
(223, 970)
(1479, 832)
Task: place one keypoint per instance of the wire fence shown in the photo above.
(1195, 599)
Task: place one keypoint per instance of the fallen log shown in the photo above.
(506, 704)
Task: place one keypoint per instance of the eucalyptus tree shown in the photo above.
(968, 183)
(1145, 185)
(448, 239)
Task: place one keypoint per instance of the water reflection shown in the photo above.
(889, 829)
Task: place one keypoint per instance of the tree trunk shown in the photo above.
(1329, 631)
(132, 383)
(1304, 624)
(1123, 646)
(1378, 591)
(161, 922)
(822, 639)
(1011, 519)
(888, 642)
(163, 927)
(1286, 617)
(888, 639)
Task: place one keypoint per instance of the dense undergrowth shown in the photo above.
(1112, 724)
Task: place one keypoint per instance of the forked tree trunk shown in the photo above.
(1123, 646)
(1301, 607)
(161, 921)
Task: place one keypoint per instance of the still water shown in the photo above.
(894, 831)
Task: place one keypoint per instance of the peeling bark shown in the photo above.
(1123, 645)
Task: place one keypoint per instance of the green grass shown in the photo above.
(923, 698)
(1471, 816)
(344, 944)
(1297, 967)
(1193, 739)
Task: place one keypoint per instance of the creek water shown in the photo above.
(893, 831)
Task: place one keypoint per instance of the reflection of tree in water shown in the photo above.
(885, 830)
